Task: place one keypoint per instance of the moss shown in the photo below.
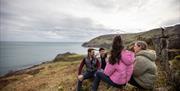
(175, 64)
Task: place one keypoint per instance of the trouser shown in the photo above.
(134, 83)
(101, 76)
(86, 75)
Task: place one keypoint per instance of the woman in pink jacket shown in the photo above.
(119, 67)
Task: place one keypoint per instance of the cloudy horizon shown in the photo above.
(82, 20)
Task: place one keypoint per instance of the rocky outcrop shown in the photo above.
(67, 57)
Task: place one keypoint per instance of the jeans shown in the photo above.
(101, 76)
(86, 75)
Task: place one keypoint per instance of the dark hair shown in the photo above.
(117, 47)
(90, 49)
(101, 49)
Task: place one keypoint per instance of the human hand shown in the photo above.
(80, 77)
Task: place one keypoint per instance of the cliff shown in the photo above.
(173, 33)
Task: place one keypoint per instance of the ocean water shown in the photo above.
(18, 55)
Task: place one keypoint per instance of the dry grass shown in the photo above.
(58, 76)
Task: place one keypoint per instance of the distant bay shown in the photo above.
(18, 55)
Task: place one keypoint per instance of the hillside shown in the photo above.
(61, 75)
(106, 40)
(57, 75)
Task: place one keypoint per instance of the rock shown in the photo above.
(67, 57)
(61, 56)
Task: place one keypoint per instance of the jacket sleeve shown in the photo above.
(81, 66)
(109, 69)
(140, 66)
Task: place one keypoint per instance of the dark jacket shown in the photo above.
(91, 65)
(102, 61)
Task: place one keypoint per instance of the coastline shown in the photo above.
(48, 76)
(21, 55)
(33, 69)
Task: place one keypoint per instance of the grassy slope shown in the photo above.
(53, 76)
(56, 76)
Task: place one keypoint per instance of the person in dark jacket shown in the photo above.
(102, 58)
(92, 65)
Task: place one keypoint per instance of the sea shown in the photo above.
(19, 55)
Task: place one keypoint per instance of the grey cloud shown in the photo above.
(105, 4)
(50, 20)
(29, 23)
(61, 22)
(176, 2)
(117, 4)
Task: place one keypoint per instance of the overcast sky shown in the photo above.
(81, 20)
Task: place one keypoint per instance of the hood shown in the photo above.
(127, 57)
(150, 54)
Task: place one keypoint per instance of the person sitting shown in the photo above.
(102, 58)
(92, 65)
(145, 69)
(119, 67)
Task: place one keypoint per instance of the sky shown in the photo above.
(82, 20)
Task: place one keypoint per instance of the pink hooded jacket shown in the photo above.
(122, 72)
